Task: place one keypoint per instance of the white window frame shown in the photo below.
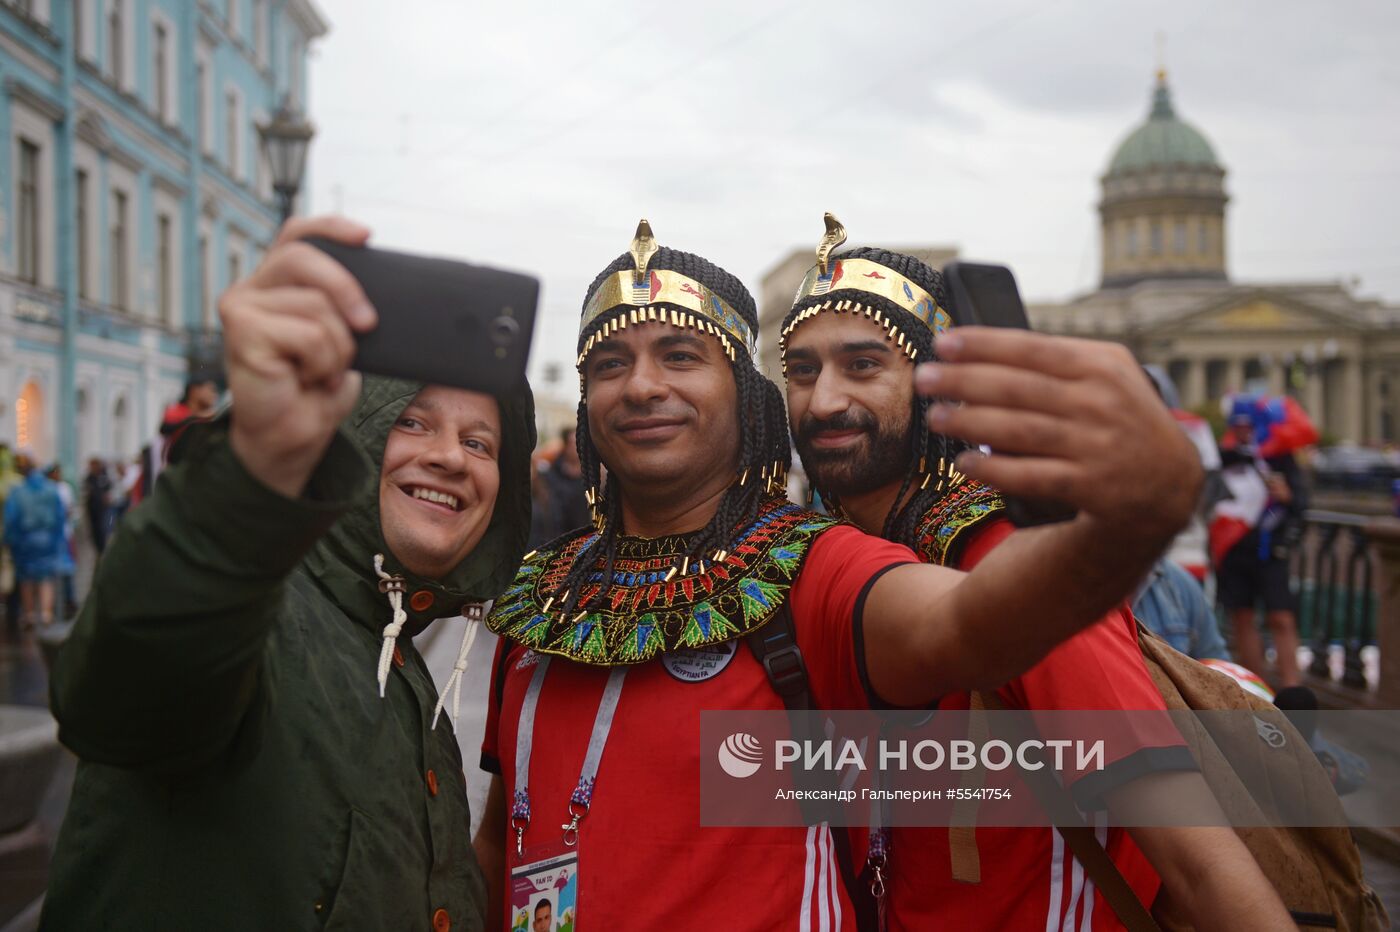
(168, 206)
(126, 80)
(235, 248)
(37, 129)
(261, 28)
(85, 159)
(262, 172)
(29, 212)
(296, 58)
(204, 92)
(170, 114)
(204, 245)
(85, 29)
(39, 12)
(120, 179)
(234, 142)
(235, 20)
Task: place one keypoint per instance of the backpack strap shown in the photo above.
(775, 648)
(1084, 845)
(962, 828)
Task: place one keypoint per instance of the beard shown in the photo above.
(879, 459)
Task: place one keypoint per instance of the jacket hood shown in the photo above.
(342, 562)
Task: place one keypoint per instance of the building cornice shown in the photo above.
(42, 103)
(168, 185)
(12, 46)
(174, 159)
(92, 129)
(232, 203)
(311, 20)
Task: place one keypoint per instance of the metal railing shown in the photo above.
(1333, 569)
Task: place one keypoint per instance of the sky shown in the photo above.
(533, 136)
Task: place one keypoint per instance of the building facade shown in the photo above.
(132, 192)
(1167, 295)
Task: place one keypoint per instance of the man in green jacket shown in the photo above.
(254, 724)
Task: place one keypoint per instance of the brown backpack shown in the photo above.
(1316, 871)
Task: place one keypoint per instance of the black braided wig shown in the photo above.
(764, 449)
(927, 449)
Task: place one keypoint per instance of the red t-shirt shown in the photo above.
(644, 860)
(1029, 879)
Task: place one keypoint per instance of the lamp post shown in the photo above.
(284, 140)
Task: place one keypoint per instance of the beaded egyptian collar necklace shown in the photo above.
(943, 528)
(651, 609)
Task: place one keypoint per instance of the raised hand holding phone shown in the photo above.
(1068, 420)
(288, 343)
(986, 295)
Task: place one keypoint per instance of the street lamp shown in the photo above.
(284, 140)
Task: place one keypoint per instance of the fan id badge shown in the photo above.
(544, 889)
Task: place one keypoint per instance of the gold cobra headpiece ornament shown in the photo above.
(641, 294)
(861, 276)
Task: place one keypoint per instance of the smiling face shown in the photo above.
(662, 407)
(849, 393)
(438, 483)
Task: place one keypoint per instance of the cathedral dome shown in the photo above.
(1163, 141)
(1163, 205)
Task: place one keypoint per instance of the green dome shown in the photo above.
(1162, 141)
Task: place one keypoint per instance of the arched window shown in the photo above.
(31, 420)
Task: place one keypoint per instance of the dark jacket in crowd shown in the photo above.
(565, 506)
(239, 769)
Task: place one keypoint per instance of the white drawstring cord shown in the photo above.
(472, 615)
(393, 587)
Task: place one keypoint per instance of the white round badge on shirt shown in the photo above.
(699, 663)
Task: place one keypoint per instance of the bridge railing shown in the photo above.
(1335, 572)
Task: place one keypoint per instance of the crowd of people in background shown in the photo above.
(45, 513)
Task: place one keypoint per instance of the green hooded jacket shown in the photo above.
(239, 769)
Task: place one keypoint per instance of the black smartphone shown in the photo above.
(441, 320)
(986, 295)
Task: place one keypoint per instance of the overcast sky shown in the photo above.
(533, 136)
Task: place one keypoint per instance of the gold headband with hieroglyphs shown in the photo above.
(688, 304)
(663, 295)
(879, 280)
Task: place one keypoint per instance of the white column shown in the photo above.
(1375, 404)
(1277, 375)
(1193, 393)
(1352, 400)
(1234, 375)
(1314, 396)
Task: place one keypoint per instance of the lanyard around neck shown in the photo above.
(582, 796)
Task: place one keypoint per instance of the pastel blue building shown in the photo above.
(132, 191)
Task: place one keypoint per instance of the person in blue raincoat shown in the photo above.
(34, 522)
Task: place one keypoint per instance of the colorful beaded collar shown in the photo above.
(942, 529)
(650, 609)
